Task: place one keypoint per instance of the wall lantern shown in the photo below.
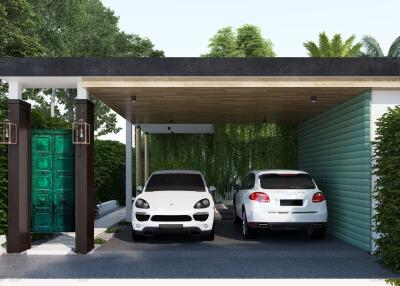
(313, 99)
(8, 133)
(81, 132)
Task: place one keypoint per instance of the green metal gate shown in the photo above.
(53, 199)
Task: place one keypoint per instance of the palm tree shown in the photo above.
(333, 48)
(373, 49)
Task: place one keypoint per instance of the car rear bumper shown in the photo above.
(289, 225)
(295, 215)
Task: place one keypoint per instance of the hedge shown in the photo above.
(3, 166)
(109, 170)
(387, 189)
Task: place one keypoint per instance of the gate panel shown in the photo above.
(63, 183)
(42, 183)
(52, 181)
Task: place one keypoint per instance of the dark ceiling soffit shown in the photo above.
(81, 67)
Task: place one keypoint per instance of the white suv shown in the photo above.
(280, 199)
(174, 201)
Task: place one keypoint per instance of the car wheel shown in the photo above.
(135, 236)
(317, 233)
(246, 231)
(236, 219)
(210, 236)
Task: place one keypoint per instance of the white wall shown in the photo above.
(381, 100)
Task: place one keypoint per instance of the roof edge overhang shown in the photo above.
(200, 67)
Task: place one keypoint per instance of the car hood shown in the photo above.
(168, 200)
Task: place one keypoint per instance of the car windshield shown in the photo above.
(286, 181)
(175, 182)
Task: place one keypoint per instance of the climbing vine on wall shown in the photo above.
(227, 155)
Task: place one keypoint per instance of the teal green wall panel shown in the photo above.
(335, 148)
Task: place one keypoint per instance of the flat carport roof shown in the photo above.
(211, 90)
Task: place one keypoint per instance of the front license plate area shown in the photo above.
(170, 227)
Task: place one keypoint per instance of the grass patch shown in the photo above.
(4, 244)
(112, 230)
(99, 240)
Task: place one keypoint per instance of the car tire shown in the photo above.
(236, 219)
(246, 230)
(210, 236)
(136, 237)
(316, 233)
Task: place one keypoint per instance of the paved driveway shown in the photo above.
(276, 255)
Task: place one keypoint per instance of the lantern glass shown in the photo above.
(8, 133)
(81, 132)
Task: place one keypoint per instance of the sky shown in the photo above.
(182, 28)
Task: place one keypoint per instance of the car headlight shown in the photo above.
(202, 204)
(142, 204)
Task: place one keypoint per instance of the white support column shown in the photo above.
(14, 90)
(82, 92)
(138, 147)
(128, 171)
(146, 157)
(381, 100)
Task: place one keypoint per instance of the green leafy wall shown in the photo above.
(335, 148)
(228, 154)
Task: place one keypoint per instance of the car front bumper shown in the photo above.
(193, 226)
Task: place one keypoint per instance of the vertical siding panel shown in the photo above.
(335, 148)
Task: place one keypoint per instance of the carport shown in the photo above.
(334, 102)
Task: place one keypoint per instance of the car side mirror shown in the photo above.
(139, 190)
(236, 187)
(212, 189)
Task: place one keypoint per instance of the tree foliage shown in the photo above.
(247, 41)
(17, 30)
(387, 189)
(373, 49)
(334, 47)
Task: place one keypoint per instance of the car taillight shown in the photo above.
(259, 197)
(318, 197)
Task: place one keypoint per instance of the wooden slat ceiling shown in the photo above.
(164, 105)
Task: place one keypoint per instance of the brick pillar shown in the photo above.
(19, 178)
(84, 182)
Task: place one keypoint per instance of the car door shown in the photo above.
(247, 188)
(239, 196)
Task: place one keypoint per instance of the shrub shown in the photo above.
(99, 240)
(112, 230)
(387, 189)
(109, 169)
(3, 189)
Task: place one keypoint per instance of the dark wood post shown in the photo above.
(19, 178)
(84, 182)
